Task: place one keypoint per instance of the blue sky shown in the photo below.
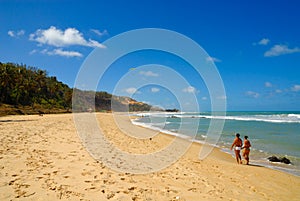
(255, 45)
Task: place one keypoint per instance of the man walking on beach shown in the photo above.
(246, 148)
(237, 144)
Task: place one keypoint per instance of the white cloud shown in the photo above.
(149, 74)
(60, 38)
(278, 91)
(64, 53)
(16, 34)
(131, 90)
(212, 59)
(32, 52)
(44, 51)
(21, 33)
(264, 41)
(61, 52)
(154, 90)
(252, 94)
(93, 43)
(189, 89)
(278, 50)
(296, 87)
(204, 98)
(99, 33)
(268, 84)
(11, 33)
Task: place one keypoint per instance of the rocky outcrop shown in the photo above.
(280, 159)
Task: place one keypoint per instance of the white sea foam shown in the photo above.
(274, 118)
(294, 115)
(147, 125)
(171, 132)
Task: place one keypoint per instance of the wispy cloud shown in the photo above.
(58, 51)
(296, 87)
(99, 33)
(212, 59)
(149, 73)
(64, 53)
(264, 41)
(131, 90)
(189, 89)
(252, 94)
(62, 38)
(33, 51)
(268, 84)
(278, 50)
(11, 33)
(15, 34)
(154, 90)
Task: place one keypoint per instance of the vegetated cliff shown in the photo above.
(29, 90)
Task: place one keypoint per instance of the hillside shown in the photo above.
(29, 90)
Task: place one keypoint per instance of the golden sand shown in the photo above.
(42, 158)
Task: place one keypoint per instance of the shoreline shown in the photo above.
(286, 168)
(42, 158)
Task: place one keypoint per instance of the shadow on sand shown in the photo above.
(6, 121)
(255, 165)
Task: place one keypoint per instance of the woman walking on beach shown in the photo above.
(237, 144)
(246, 148)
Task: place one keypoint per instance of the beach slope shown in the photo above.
(43, 158)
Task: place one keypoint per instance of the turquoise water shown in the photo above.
(270, 133)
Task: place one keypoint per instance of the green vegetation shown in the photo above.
(29, 90)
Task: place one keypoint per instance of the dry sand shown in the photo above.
(42, 158)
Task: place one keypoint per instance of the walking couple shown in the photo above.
(238, 146)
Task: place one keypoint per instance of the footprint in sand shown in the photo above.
(91, 188)
(39, 177)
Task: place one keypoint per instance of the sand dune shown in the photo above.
(43, 158)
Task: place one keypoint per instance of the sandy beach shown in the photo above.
(43, 158)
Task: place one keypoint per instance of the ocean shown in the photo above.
(270, 133)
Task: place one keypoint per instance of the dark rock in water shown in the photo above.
(273, 159)
(281, 160)
(285, 160)
(171, 110)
